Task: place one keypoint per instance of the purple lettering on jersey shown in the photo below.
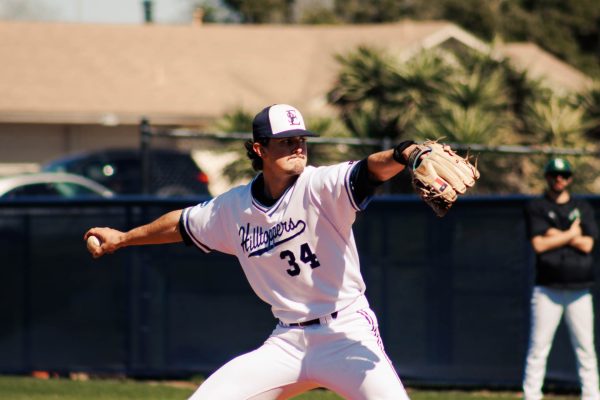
(257, 240)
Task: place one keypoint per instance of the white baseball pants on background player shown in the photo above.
(344, 354)
(547, 307)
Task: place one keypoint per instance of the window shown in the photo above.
(59, 189)
(35, 189)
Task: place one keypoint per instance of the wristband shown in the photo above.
(414, 158)
(397, 155)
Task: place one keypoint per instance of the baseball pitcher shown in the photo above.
(291, 230)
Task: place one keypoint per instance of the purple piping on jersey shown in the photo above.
(375, 332)
(254, 202)
(347, 187)
(198, 243)
(270, 210)
(259, 206)
(374, 329)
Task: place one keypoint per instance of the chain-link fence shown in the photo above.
(507, 169)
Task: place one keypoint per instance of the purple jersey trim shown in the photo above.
(269, 210)
(259, 206)
(197, 242)
(375, 332)
(374, 329)
(347, 187)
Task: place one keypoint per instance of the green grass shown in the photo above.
(25, 388)
(19, 388)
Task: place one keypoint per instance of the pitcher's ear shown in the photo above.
(258, 149)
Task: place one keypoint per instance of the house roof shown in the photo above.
(93, 73)
(542, 65)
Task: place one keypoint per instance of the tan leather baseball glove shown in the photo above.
(439, 175)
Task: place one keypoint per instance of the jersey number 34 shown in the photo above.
(306, 256)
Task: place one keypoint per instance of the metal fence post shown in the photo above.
(145, 133)
(148, 11)
(386, 143)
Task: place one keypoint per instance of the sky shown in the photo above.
(94, 11)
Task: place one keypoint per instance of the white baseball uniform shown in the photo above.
(299, 256)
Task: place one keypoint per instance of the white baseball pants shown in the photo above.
(345, 355)
(547, 307)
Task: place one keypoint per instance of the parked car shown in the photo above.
(52, 184)
(172, 173)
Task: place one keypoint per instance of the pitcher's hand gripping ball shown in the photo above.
(439, 175)
(93, 245)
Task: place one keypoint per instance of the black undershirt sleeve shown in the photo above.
(184, 235)
(362, 184)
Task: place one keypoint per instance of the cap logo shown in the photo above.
(284, 118)
(279, 120)
(292, 117)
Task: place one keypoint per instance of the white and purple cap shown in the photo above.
(279, 121)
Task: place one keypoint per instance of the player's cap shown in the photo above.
(558, 165)
(279, 121)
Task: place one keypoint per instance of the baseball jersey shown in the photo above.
(299, 254)
(564, 267)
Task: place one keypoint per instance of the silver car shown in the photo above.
(53, 184)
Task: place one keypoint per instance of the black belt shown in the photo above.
(315, 321)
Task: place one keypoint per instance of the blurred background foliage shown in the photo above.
(569, 29)
(471, 99)
(465, 98)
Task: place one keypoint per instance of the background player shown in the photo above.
(291, 230)
(562, 231)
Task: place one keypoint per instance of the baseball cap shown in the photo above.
(279, 121)
(558, 165)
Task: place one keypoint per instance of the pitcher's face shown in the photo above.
(287, 155)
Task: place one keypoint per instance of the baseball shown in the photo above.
(92, 243)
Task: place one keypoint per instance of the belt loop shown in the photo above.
(321, 321)
(328, 318)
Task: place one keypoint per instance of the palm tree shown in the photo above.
(471, 108)
(559, 123)
(379, 96)
(459, 125)
(590, 100)
(478, 88)
(434, 95)
(237, 121)
(556, 123)
(362, 93)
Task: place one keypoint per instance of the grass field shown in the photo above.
(25, 388)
